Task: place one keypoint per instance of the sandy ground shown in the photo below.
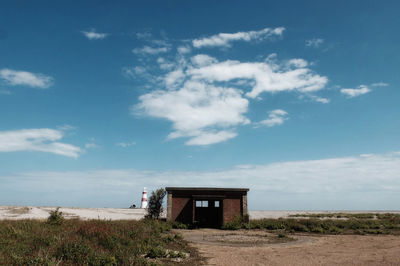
(17, 213)
(30, 212)
(305, 250)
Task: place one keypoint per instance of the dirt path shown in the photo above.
(308, 250)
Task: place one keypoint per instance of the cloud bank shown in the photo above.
(367, 182)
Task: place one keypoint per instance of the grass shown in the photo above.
(339, 215)
(353, 224)
(95, 242)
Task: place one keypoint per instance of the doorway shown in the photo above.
(208, 213)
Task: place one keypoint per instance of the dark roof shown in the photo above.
(206, 189)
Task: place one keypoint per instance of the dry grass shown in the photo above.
(95, 242)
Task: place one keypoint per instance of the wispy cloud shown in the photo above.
(125, 144)
(144, 35)
(24, 78)
(184, 49)
(91, 144)
(145, 50)
(319, 99)
(43, 140)
(314, 42)
(134, 72)
(379, 84)
(356, 182)
(275, 118)
(93, 35)
(225, 39)
(351, 93)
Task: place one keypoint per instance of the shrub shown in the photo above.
(178, 225)
(236, 224)
(56, 217)
(176, 254)
(156, 252)
(281, 235)
(154, 208)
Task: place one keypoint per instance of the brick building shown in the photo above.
(208, 207)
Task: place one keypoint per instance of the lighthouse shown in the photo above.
(144, 199)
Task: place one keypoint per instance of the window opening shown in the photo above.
(202, 203)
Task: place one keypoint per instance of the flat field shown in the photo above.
(102, 236)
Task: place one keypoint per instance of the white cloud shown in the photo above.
(320, 99)
(201, 60)
(197, 110)
(275, 118)
(267, 77)
(44, 140)
(145, 50)
(184, 49)
(355, 182)
(314, 42)
(297, 62)
(379, 84)
(143, 35)
(362, 89)
(125, 144)
(93, 35)
(134, 71)
(173, 78)
(205, 99)
(24, 78)
(164, 64)
(224, 39)
(208, 138)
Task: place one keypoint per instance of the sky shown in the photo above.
(296, 100)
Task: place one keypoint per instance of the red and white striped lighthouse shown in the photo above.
(144, 199)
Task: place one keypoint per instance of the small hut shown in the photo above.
(206, 207)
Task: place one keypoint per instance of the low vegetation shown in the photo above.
(344, 215)
(352, 224)
(59, 241)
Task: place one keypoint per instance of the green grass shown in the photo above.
(344, 215)
(326, 224)
(76, 242)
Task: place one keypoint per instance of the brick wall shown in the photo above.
(232, 208)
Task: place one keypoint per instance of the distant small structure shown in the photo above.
(206, 207)
(144, 199)
(133, 206)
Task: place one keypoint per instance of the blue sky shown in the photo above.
(297, 101)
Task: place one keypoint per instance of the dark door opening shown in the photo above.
(208, 213)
